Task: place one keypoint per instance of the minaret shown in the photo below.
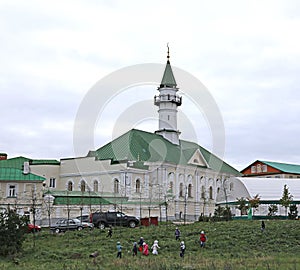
(167, 102)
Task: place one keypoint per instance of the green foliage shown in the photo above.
(254, 202)
(273, 209)
(12, 230)
(222, 213)
(242, 205)
(293, 214)
(286, 198)
(235, 245)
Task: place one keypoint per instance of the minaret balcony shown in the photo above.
(167, 98)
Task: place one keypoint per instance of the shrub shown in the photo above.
(12, 232)
(293, 214)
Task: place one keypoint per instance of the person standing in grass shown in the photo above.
(155, 248)
(202, 239)
(109, 233)
(182, 249)
(141, 242)
(177, 234)
(119, 249)
(134, 249)
(263, 226)
(145, 249)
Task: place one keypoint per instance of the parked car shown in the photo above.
(84, 218)
(105, 219)
(65, 224)
(33, 228)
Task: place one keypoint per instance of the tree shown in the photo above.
(242, 205)
(273, 209)
(12, 232)
(222, 213)
(293, 214)
(254, 202)
(286, 198)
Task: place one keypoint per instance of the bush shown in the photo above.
(12, 232)
(222, 214)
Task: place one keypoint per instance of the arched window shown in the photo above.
(258, 168)
(82, 186)
(203, 192)
(70, 186)
(190, 190)
(181, 190)
(96, 186)
(171, 187)
(211, 193)
(116, 186)
(138, 186)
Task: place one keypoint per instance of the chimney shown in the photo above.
(3, 156)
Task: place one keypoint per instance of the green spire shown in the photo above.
(168, 79)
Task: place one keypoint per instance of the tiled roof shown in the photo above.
(12, 174)
(150, 147)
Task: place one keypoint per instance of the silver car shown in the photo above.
(65, 224)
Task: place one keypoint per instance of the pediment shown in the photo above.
(198, 159)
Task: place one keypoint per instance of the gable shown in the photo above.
(260, 167)
(198, 159)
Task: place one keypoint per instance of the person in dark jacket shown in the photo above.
(177, 234)
(182, 249)
(263, 226)
(109, 233)
(140, 243)
(134, 249)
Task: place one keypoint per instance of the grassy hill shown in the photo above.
(230, 245)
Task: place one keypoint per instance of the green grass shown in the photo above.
(231, 245)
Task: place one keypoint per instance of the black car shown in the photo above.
(65, 224)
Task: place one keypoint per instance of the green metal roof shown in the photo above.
(12, 174)
(168, 79)
(77, 197)
(18, 162)
(144, 146)
(284, 167)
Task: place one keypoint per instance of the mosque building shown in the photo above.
(143, 173)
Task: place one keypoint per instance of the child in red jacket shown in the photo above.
(202, 239)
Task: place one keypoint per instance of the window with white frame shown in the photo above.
(70, 186)
(116, 186)
(210, 192)
(96, 186)
(52, 182)
(203, 192)
(253, 169)
(138, 186)
(258, 168)
(181, 190)
(171, 187)
(12, 191)
(264, 168)
(82, 186)
(190, 190)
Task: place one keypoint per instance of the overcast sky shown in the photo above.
(246, 53)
